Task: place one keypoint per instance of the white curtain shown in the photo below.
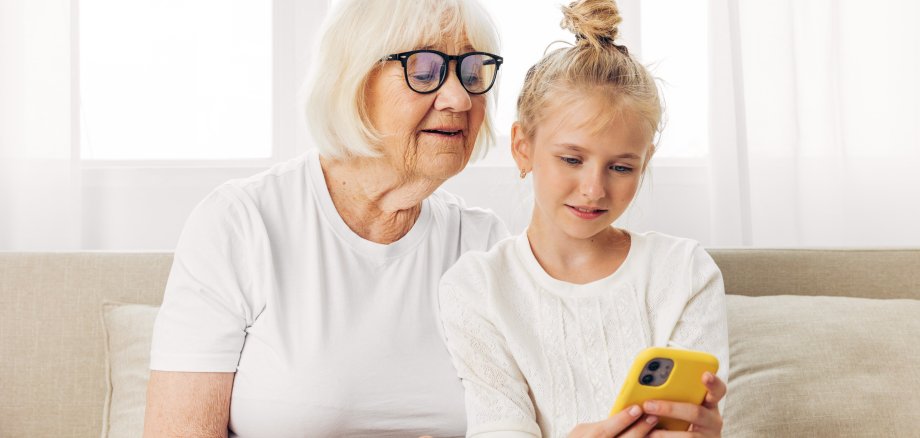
(814, 136)
(39, 180)
(815, 123)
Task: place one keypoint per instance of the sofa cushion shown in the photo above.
(52, 354)
(128, 329)
(823, 366)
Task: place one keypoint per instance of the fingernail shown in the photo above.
(635, 411)
(651, 406)
(707, 377)
(651, 419)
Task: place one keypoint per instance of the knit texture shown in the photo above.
(538, 355)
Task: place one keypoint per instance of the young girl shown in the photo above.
(543, 327)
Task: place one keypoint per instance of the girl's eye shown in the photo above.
(621, 169)
(570, 160)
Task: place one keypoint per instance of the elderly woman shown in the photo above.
(302, 301)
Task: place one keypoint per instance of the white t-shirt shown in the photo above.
(538, 356)
(329, 334)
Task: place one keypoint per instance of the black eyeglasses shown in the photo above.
(426, 70)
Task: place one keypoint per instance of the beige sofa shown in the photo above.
(802, 364)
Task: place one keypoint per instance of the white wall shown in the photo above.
(145, 208)
(131, 206)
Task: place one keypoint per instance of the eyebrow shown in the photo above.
(575, 148)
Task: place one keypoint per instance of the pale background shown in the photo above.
(790, 123)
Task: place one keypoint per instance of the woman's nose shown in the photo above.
(452, 96)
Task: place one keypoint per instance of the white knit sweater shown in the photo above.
(538, 356)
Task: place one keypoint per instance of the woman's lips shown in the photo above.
(454, 138)
(586, 213)
(444, 132)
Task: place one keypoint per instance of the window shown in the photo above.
(193, 80)
(175, 80)
(673, 44)
(675, 48)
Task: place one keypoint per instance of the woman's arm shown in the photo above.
(185, 404)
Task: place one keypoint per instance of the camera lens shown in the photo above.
(653, 365)
(646, 379)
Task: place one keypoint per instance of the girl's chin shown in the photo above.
(583, 230)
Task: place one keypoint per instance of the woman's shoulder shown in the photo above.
(453, 204)
(479, 228)
(260, 191)
(286, 175)
(475, 270)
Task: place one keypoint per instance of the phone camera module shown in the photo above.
(656, 371)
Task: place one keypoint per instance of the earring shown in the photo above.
(523, 173)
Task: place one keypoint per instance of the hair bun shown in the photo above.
(594, 22)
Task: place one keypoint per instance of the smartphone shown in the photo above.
(661, 373)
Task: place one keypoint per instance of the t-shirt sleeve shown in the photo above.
(498, 231)
(703, 324)
(481, 230)
(497, 395)
(202, 322)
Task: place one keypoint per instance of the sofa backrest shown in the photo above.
(861, 273)
(52, 381)
(52, 365)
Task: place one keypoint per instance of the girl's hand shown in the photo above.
(623, 424)
(705, 420)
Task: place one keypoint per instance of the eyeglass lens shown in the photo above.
(426, 71)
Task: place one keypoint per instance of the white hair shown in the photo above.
(356, 35)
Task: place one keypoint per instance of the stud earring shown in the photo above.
(523, 173)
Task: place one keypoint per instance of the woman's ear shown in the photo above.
(521, 148)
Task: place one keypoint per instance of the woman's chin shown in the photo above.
(442, 165)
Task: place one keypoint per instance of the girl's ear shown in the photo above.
(521, 148)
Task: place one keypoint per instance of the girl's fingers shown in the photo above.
(640, 428)
(716, 388)
(671, 434)
(699, 416)
(620, 421)
(610, 427)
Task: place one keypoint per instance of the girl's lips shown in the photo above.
(588, 215)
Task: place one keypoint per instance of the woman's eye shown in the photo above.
(570, 160)
(621, 169)
(425, 77)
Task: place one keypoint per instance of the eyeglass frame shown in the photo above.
(404, 57)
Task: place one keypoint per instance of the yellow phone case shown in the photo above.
(684, 384)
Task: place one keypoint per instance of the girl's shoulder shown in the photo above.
(665, 256)
(659, 246)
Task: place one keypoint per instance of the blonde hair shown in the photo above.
(594, 64)
(356, 35)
